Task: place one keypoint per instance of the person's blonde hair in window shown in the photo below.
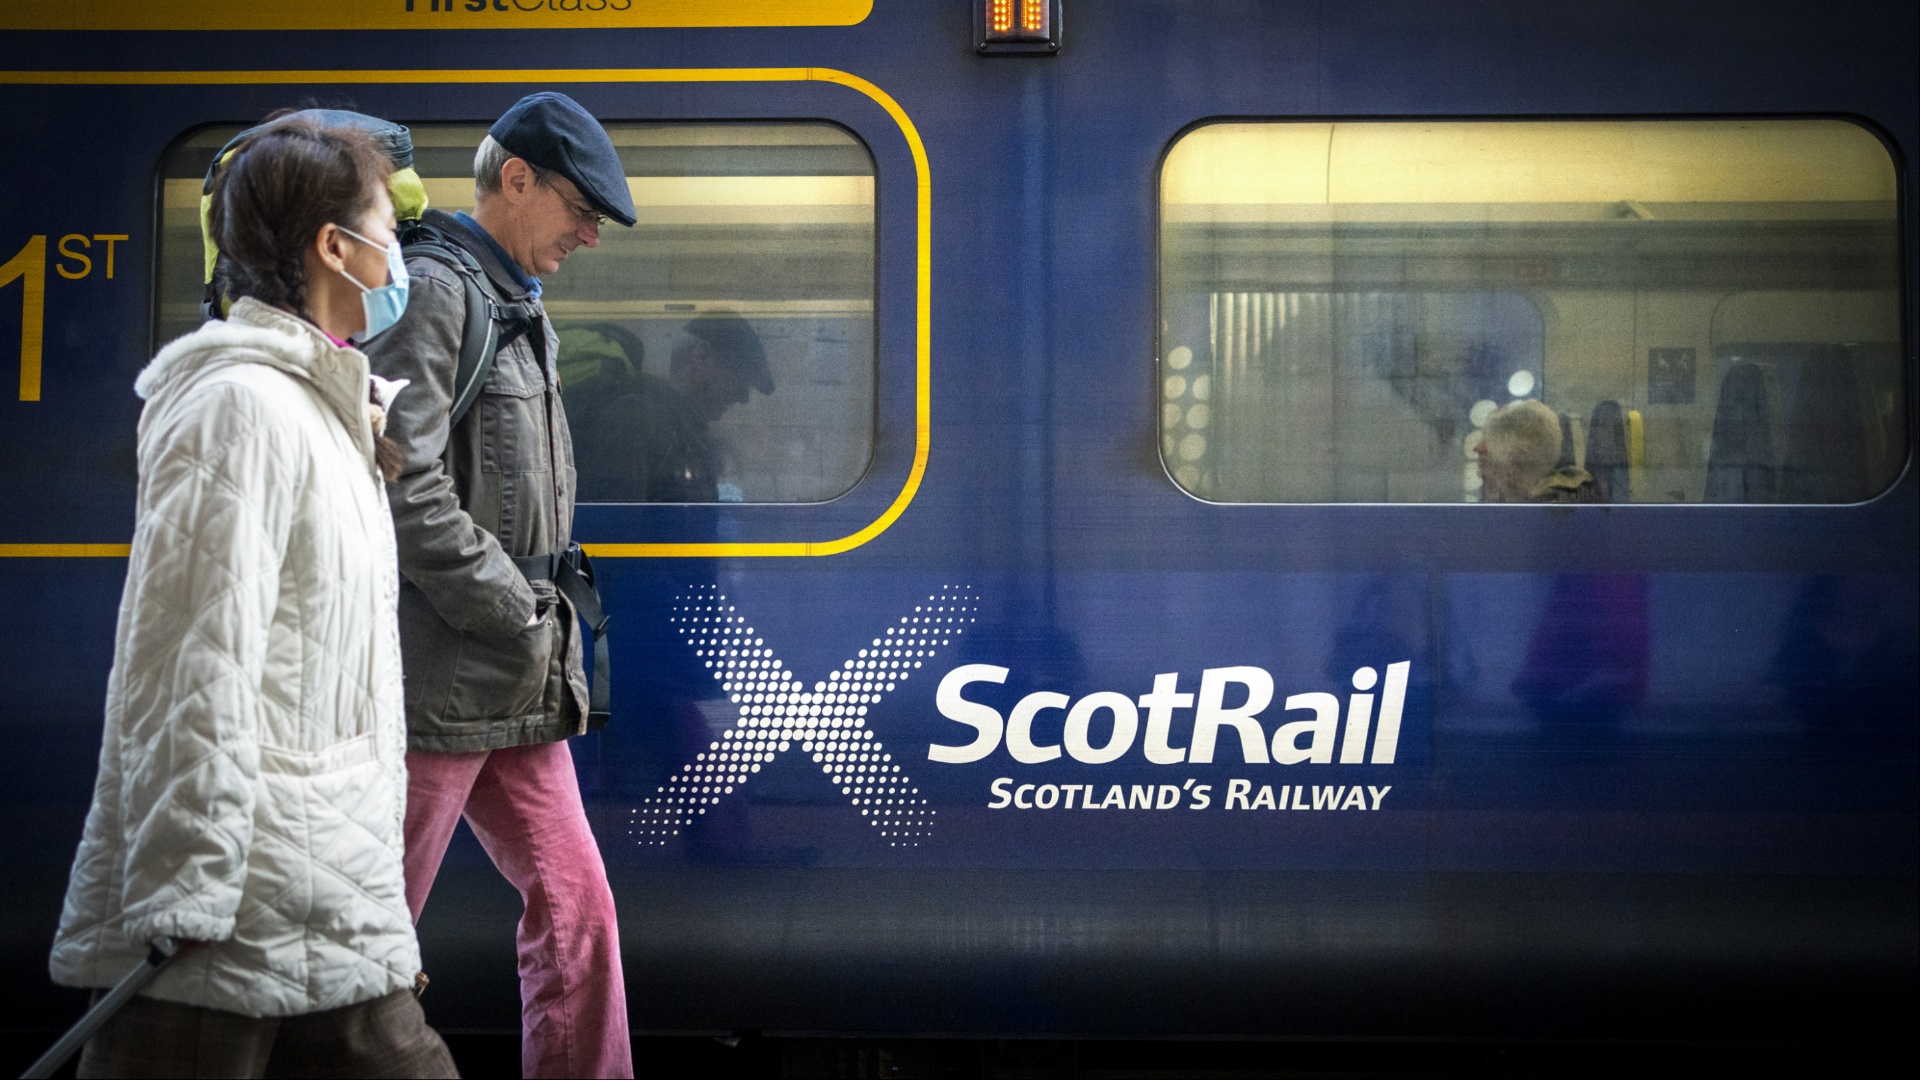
(1518, 454)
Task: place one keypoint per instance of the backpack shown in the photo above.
(404, 185)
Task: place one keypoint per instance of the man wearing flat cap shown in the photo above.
(651, 443)
(492, 650)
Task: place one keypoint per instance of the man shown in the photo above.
(493, 660)
(651, 443)
(1518, 454)
(599, 363)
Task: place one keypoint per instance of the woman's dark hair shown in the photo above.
(274, 194)
(271, 198)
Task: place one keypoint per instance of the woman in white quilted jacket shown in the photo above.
(252, 775)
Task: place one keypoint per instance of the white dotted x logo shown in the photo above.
(828, 721)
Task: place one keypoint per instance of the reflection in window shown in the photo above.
(720, 350)
(1708, 309)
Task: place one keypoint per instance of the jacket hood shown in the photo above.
(254, 333)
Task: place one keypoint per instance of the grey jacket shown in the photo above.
(498, 485)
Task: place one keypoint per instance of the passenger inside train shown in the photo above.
(1707, 311)
(1519, 455)
(651, 437)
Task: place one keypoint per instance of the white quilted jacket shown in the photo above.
(253, 774)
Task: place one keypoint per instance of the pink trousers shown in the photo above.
(524, 805)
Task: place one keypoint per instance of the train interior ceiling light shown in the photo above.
(1017, 27)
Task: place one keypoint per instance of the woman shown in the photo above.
(252, 776)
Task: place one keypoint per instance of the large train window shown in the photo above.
(1644, 311)
(754, 247)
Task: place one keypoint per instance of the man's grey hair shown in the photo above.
(490, 159)
(1524, 438)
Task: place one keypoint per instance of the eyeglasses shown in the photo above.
(583, 214)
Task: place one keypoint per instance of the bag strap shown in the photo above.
(479, 344)
(480, 336)
(572, 574)
(490, 324)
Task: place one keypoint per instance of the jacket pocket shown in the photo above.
(502, 678)
(349, 752)
(513, 415)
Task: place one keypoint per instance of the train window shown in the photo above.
(720, 350)
(1406, 312)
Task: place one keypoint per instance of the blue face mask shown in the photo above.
(383, 306)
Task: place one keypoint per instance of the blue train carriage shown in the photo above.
(1101, 622)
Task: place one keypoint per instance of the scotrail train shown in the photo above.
(1138, 415)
